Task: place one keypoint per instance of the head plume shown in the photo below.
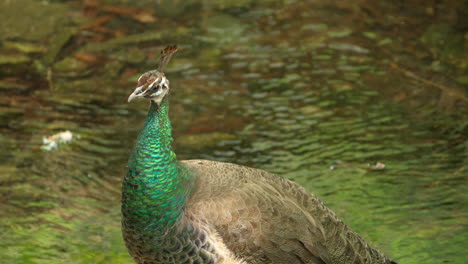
(166, 56)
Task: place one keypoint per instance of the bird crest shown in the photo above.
(166, 55)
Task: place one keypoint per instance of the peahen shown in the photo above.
(200, 211)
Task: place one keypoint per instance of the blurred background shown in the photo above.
(363, 102)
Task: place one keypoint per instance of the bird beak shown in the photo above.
(137, 93)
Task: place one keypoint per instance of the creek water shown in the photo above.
(329, 95)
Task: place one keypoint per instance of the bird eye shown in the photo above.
(154, 85)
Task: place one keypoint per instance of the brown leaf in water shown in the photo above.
(97, 23)
(400, 96)
(119, 10)
(103, 30)
(91, 3)
(130, 72)
(10, 79)
(144, 17)
(105, 33)
(139, 14)
(89, 58)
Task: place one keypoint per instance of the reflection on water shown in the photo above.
(318, 93)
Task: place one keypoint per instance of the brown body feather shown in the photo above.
(263, 218)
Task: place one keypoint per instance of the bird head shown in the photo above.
(154, 85)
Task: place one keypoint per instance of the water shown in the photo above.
(369, 117)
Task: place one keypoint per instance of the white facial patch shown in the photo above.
(156, 90)
(157, 81)
(164, 82)
(135, 93)
(159, 94)
(138, 89)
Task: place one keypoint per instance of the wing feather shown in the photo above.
(263, 218)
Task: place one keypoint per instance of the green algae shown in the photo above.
(12, 63)
(69, 64)
(38, 20)
(24, 47)
(339, 33)
(14, 59)
(198, 142)
(132, 55)
(463, 80)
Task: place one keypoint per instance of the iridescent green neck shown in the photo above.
(155, 188)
